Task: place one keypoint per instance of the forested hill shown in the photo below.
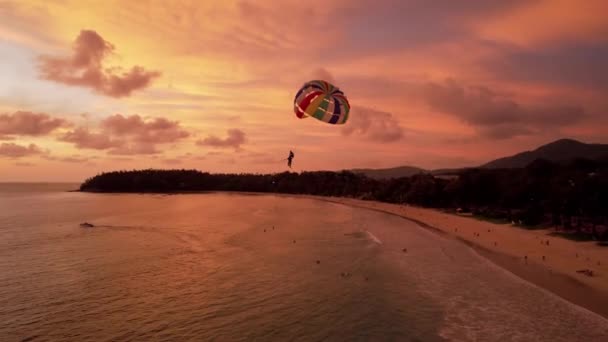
(395, 172)
(559, 151)
(573, 195)
(562, 150)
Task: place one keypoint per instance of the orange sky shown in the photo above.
(209, 85)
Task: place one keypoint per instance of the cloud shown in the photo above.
(74, 159)
(229, 160)
(12, 150)
(412, 24)
(373, 125)
(85, 139)
(261, 158)
(24, 164)
(85, 68)
(127, 135)
(234, 139)
(18, 18)
(323, 74)
(28, 123)
(568, 64)
(121, 159)
(156, 131)
(70, 159)
(495, 115)
(172, 161)
(562, 21)
(134, 149)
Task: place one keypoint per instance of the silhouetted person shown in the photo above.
(290, 158)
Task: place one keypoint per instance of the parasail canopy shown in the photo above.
(323, 101)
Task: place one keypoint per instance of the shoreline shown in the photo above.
(555, 273)
(523, 253)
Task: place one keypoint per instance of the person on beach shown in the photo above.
(289, 159)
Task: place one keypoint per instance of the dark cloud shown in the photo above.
(408, 23)
(127, 135)
(376, 87)
(85, 68)
(12, 150)
(28, 123)
(234, 140)
(568, 64)
(373, 125)
(495, 115)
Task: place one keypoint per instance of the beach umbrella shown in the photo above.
(323, 101)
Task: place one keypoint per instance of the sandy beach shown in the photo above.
(534, 255)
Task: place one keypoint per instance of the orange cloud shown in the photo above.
(171, 161)
(28, 123)
(74, 159)
(234, 139)
(70, 159)
(12, 150)
(261, 158)
(85, 139)
(134, 149)
(84, 68)
(156, 131)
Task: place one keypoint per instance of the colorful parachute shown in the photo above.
(323, 101)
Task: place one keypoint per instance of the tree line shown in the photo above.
(572, 196)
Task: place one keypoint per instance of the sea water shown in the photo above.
(238, 267)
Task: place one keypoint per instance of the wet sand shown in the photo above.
(525, 253)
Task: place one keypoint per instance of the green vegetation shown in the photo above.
(572, 196)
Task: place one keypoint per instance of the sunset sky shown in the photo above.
(92, 86)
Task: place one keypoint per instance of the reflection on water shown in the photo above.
(236, 267)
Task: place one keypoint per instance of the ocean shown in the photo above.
(246, 267)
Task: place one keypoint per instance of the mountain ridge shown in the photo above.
(561, 150)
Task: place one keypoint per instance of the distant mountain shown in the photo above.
(394, 172)
(448, 172)
(558, 151)
(562, 150)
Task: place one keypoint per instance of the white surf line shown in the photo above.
(373, 237)
(530, 283)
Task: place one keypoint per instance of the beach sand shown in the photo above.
(523, 252)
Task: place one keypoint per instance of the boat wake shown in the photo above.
(373, 237)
